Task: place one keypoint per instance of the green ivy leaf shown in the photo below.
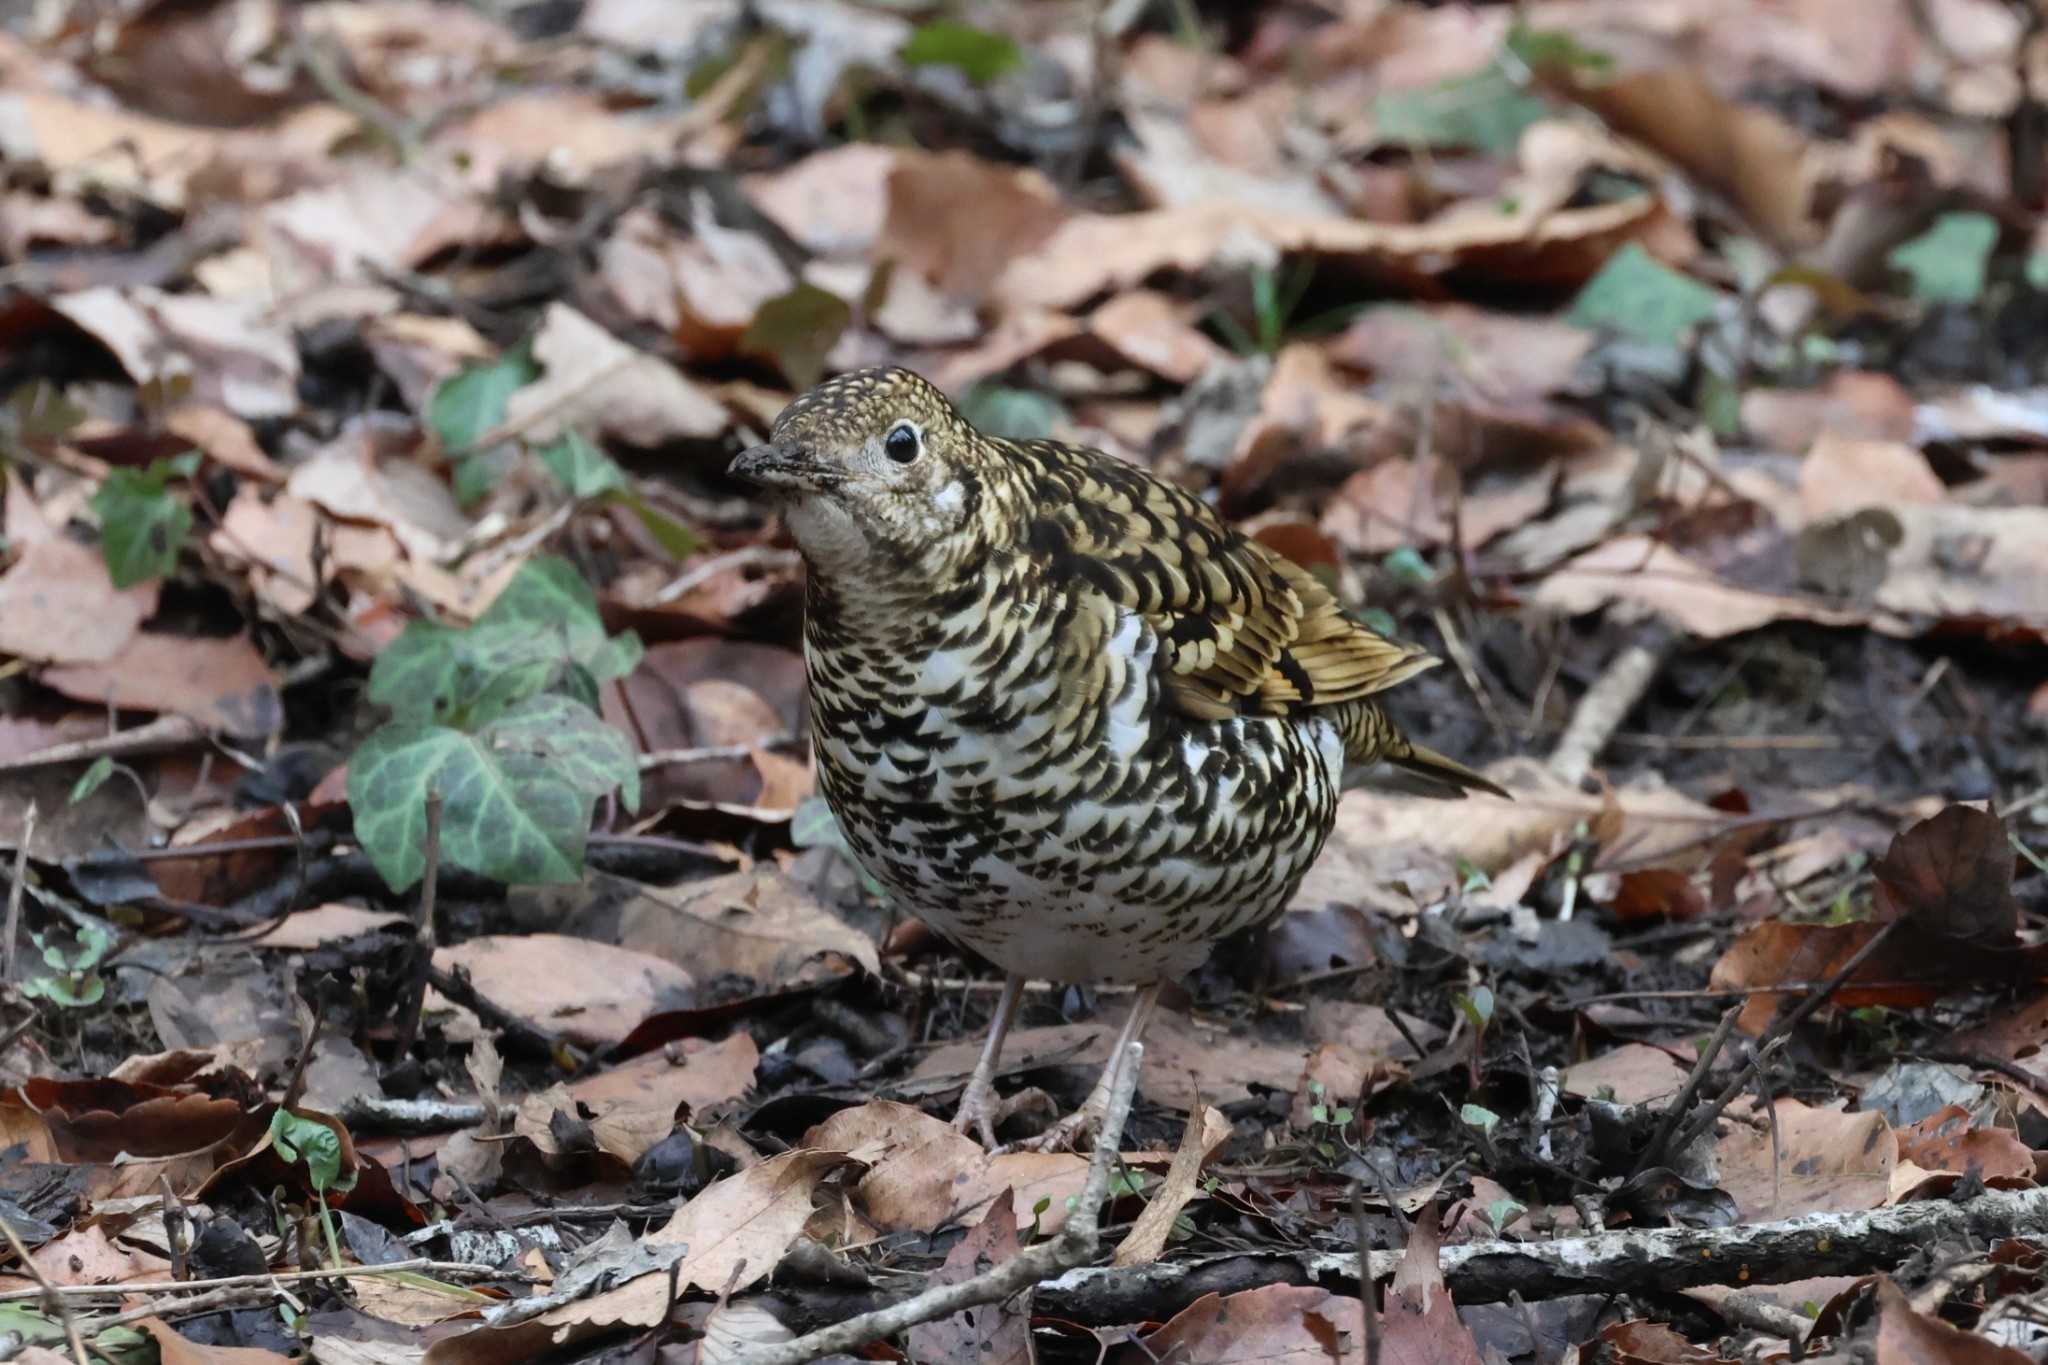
(503, 815)
(478, 472)
(580, 467)
(1640, 297)
(1949, 262)
(797, 330)
(468, 405)
(677, 539)
(1013, 414)
(1485, 1120)
(977, 53)
(1485, 110)
(575, 743)
(313, 1142)
(143, 525)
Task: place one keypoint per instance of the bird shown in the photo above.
(1062, 711)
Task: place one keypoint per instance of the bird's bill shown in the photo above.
(773, 466)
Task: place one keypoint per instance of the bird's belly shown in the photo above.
(1125, 867)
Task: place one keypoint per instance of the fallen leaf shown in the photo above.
(173, 1349)
(759, 924)
(1823, 1160)
(995, 1333)
(219, 681)
(599, 385)
(591, 993)
(1948, 1141)
(325, 926)
(960, 221)
(1206, 1131)
(1279, 1324)
(1905, 1337)
(1420, 1325)
(1841, 475)
(1952, 875)
(1634, 1073)
(57, 604)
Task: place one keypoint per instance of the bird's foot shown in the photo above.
(1074, 1132)
(982, 1109)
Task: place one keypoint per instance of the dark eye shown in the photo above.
(902, 444)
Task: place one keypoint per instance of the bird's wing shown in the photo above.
(1241, 627)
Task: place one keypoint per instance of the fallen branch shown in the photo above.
(1599, 1263)
(1608, 701)
(1076, 1245)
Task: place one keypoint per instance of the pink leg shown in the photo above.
(978, 1104)
(1077, 1126)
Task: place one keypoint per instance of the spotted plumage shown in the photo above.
(1061, 710)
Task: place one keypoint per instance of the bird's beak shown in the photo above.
(773, 466)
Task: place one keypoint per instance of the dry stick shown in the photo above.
(14, 892)
(48, 1293)
(1780, 1030)
(1658, 1153)
(1076, 1244)
(440, 1269)
(423, 932)
(1608, 701)
(1598, 1263)
(1368, 1290)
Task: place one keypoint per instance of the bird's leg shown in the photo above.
(978, 1103)
(1077, 1126)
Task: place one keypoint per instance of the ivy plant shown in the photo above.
(499, 719)
(144, 522)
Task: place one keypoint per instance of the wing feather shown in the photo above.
(1241, 627)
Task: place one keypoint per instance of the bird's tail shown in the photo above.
(1370, 735)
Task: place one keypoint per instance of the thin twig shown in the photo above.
(1783, 1028)
(1368, 1291)
(422, 1266)
(423, 932)
(1078, 1240)
(47, 1292)
(14, 892)
(1681, 1104)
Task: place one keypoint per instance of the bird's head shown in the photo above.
(878, 473)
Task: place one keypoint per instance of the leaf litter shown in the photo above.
(370, 372)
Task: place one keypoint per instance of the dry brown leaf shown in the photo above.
(173, 1349)
(591, 993)
(960, 221)
(1842, 474)
(923, 1176)
(223, 438)
(235, 353)
(832, 203)
(1206, 1131)
(1826, 1161)
(89, 1256)
(1947, 1141)
(1905, 1337)
(992, 1334)
(58, 605)
(760, 924)
(1187, 1061)
(736, 1232)
(1652, 577)
(1093, 253)
(1634, 1073)
(637, 1104)
(1855, 404)
(365, 475)
(1383, 842)
(323, 926)
(597, 384)
(1151, 332)
(219, 681)
(1276, 1324)
(274, 536)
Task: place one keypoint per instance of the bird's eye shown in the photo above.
(902, 444)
